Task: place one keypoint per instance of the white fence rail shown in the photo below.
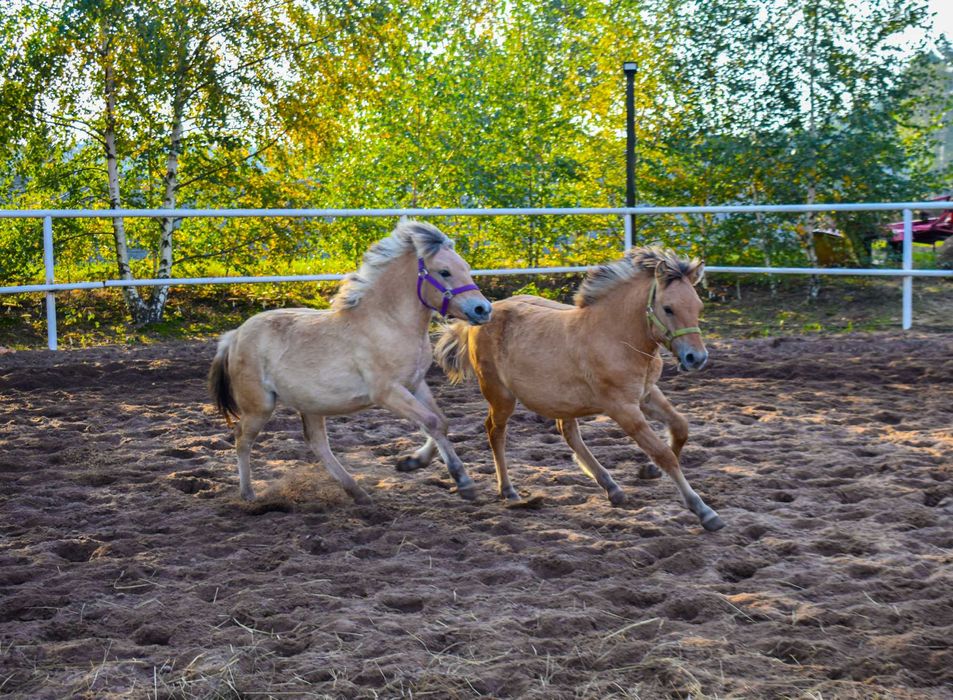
(50, 287)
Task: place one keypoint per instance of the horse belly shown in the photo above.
(329, 390)
(553, 397)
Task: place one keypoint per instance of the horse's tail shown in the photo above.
(452, 352)
(219, 384)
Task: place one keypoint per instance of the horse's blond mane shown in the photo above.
(423, 238)
(661, 262)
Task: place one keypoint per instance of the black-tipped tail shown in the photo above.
(219, 384)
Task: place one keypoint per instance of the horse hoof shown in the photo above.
(362, 499)
(468, 492)
(713, 522)
(248, 495)
(510, 494)
(409, 464)
(650, 471)
(617, 497)
(530, 502)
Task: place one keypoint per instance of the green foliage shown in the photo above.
(436, 104)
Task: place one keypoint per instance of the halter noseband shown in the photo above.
(448, 294)
(667, 335)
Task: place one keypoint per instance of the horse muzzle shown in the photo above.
(692, 359)
(477, 311)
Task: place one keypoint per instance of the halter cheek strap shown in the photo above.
(667, 334)
(424, 276)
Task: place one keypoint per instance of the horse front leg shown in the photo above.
(406, 405)
(419, 459)
(501, 404)
(657, 407)
(425, 454)
(631, 419)
(315, 432)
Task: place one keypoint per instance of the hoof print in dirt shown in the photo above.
(292, 646)
(263, 505)
(440, 483)
(76, 550)
(149, 635)
(316, 545)
(403, 603)
(530, 502)
(551, 567)
(194, 483)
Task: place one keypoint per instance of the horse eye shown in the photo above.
(445, 273)
(668, 310)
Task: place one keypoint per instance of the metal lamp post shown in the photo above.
(630, 68)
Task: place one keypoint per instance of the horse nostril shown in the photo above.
(480, 310)
(689, 358)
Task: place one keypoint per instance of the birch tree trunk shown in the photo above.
(137, 308)
(169, 224)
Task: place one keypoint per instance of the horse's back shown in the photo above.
(281, 325)
(281, 319)
(528, 315)
(532, 300)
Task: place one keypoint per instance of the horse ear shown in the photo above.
(698, 272)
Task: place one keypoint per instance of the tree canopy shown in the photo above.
(428, 103)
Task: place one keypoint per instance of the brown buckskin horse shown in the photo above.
(600, 356)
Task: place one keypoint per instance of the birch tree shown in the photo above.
(205, 85)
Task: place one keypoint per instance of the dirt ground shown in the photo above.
(129, 568)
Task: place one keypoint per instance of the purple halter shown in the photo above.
(448, 294)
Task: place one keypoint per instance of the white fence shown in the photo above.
(50, 287)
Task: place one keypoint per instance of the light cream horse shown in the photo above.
(371, 348)
(599, 356)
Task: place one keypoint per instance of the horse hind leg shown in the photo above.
(246, 432)
(255, 406)
(315, 432)
(569, 429)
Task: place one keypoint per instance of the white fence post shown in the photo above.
(907, 265)
(627, 241)
(50, 295)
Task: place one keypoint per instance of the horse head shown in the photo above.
(444, 284)
(673, 310)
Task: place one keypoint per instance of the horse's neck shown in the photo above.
(392, 299)
(621, 315)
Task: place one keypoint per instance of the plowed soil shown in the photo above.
(129, 567)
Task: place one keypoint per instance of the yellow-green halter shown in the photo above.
(668, 335)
